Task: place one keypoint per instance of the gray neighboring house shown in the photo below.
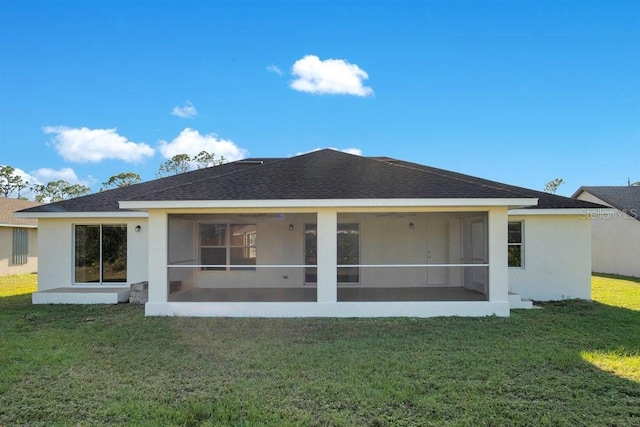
(18, 238)
(615, 234)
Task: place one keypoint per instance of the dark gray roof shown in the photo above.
(545, 200)
(324, 174)
(625, 198)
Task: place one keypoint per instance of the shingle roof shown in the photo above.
(545, 200)
(9, 206)
(324, 174)
(625, 198)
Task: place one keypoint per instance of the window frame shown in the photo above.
(19, 246)
(251, 249)
(101, 260)
(519, 244)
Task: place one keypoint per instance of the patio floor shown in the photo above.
(308, 294)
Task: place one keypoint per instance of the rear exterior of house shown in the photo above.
(18, 239)
(616, 234)
(321, 234)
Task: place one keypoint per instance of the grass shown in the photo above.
(571, 363)
(18, 285)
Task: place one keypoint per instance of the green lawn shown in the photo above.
(570, 363)
(18, 285)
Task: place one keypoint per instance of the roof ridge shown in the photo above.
(233, 172)
(450, 175)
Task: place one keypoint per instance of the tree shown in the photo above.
(11, 183)
(55, 191)
(179, 163)
(122, 179)
(552, 186)
(204, 159)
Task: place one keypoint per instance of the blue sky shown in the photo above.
(516, 91)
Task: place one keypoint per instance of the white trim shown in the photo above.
(560, 211)
(93, 285)
(312, 203)
(115, 214)
(315, 266)
(18, 226)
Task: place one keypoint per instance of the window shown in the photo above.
(348, 252)
(20, 246)
(100, 253)
(226, 245)
(515, 244)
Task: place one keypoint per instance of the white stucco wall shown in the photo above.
(557, 253)
(615, 241)
(55, 249)
(7, 268)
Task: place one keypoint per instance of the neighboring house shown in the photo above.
(320, 234)
(18, 238)
(615, 234)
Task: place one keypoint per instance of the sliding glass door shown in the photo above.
(100, 253)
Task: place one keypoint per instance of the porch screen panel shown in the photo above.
(243, 245)
(213, 245)
(114, 253)
(348, 253)
(87, 253)
(310, 253)
(225, 245)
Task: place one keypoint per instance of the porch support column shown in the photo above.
(158, 235)
(327, 256)
(498, 256)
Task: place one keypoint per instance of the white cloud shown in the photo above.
(333, 76)
(354, 151)
(95, 145)
(66, 174)
(191, 142)
(274, 69)
(187, 111)
(26, 177)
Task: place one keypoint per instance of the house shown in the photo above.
(320, 234)
(615, 235)
(18, 238)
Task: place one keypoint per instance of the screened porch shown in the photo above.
(379, 256)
